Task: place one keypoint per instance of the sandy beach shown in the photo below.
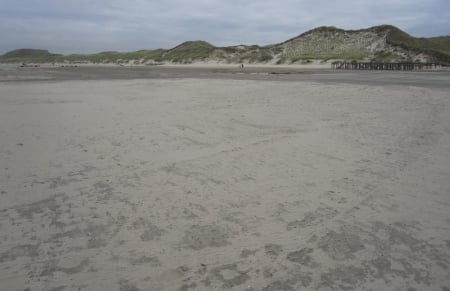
(219, 179)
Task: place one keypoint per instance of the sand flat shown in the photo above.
(225, 184)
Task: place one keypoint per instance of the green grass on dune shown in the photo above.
(438, 47)
(21, 55)
(112, 57)
(325, 42)
(189, 51)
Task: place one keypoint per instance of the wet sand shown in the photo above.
(217, 179)
(431, 79)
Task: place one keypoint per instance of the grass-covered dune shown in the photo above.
(385, 43)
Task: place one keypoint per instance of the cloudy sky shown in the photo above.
(84, 26)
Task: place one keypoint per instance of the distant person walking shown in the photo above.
(242, 66)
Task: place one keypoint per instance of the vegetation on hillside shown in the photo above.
(383, 43)
(438, 47)
(20, 55)
(189, 51)
(113, 57)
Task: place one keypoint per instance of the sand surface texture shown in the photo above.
(225, 183)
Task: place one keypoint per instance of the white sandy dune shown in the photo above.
(193, 184)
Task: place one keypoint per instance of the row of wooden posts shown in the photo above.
(384, 66)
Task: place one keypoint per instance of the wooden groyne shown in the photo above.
(372, 66)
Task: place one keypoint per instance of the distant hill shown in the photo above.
(21, 55)
(190, 50)
(378, 43)
(385, 43)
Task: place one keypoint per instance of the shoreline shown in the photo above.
(314, 65)
(430, 79)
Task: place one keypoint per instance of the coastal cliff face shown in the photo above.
(383, 43)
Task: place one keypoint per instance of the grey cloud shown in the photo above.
(96, 25)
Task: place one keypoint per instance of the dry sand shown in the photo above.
(224, 184)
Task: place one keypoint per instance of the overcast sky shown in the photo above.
(83, 26)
